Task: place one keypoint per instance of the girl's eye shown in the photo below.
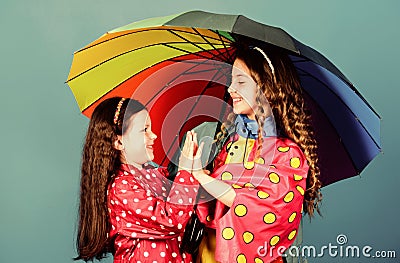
(145, 129)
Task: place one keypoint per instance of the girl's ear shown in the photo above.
(118, 143)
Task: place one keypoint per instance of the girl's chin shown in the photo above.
(240, 111)
(237, 111)
(150, 156)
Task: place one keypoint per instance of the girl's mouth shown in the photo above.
(237, 100)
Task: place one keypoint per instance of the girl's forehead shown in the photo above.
(140, 119)
(240, 69)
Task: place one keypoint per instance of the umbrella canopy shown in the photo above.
(164, 61)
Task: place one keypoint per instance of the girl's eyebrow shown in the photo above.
(240, 75)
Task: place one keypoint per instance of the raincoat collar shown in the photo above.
(246, 127)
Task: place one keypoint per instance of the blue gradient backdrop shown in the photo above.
(42, 130)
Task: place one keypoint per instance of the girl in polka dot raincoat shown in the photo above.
(127, 209)
(263, 175)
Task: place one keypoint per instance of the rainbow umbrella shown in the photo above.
(179, 66)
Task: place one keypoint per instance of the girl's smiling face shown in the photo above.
(138, 140)
(243, 90)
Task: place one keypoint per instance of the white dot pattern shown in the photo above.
(139, 214)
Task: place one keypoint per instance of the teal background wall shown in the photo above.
(42, 130)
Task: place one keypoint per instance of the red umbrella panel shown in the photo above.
(179, 95)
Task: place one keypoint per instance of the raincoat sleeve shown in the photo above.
(264, 218)
(137, 212)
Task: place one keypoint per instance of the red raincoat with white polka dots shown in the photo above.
(263, 220)
(148, 214)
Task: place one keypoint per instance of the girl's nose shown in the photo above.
(231, 90)
(153, 136)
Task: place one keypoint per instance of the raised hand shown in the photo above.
(188, 152)
(197, 164)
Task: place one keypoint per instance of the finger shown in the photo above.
(191, 149)
(196, 145)
(183, 149)
(186, 144)
(188, 151)
(199, 150)
(197, 163)
(190, 135)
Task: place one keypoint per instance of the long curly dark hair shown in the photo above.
(100, 160)
(284, 94)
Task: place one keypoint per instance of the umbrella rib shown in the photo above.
(355, 117)
(227, 58)
(176, 77)
(197, 64)
(136, 49)
(193, 43)
(303, 60)
(195, 72)
(223, 73)
(340, 139)
(159, 28)
(209, 85)
(230, 57)
(173, 31)
(187, 52)
(195, 29)
(116, 37)
(202, 36)
(176, 59)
